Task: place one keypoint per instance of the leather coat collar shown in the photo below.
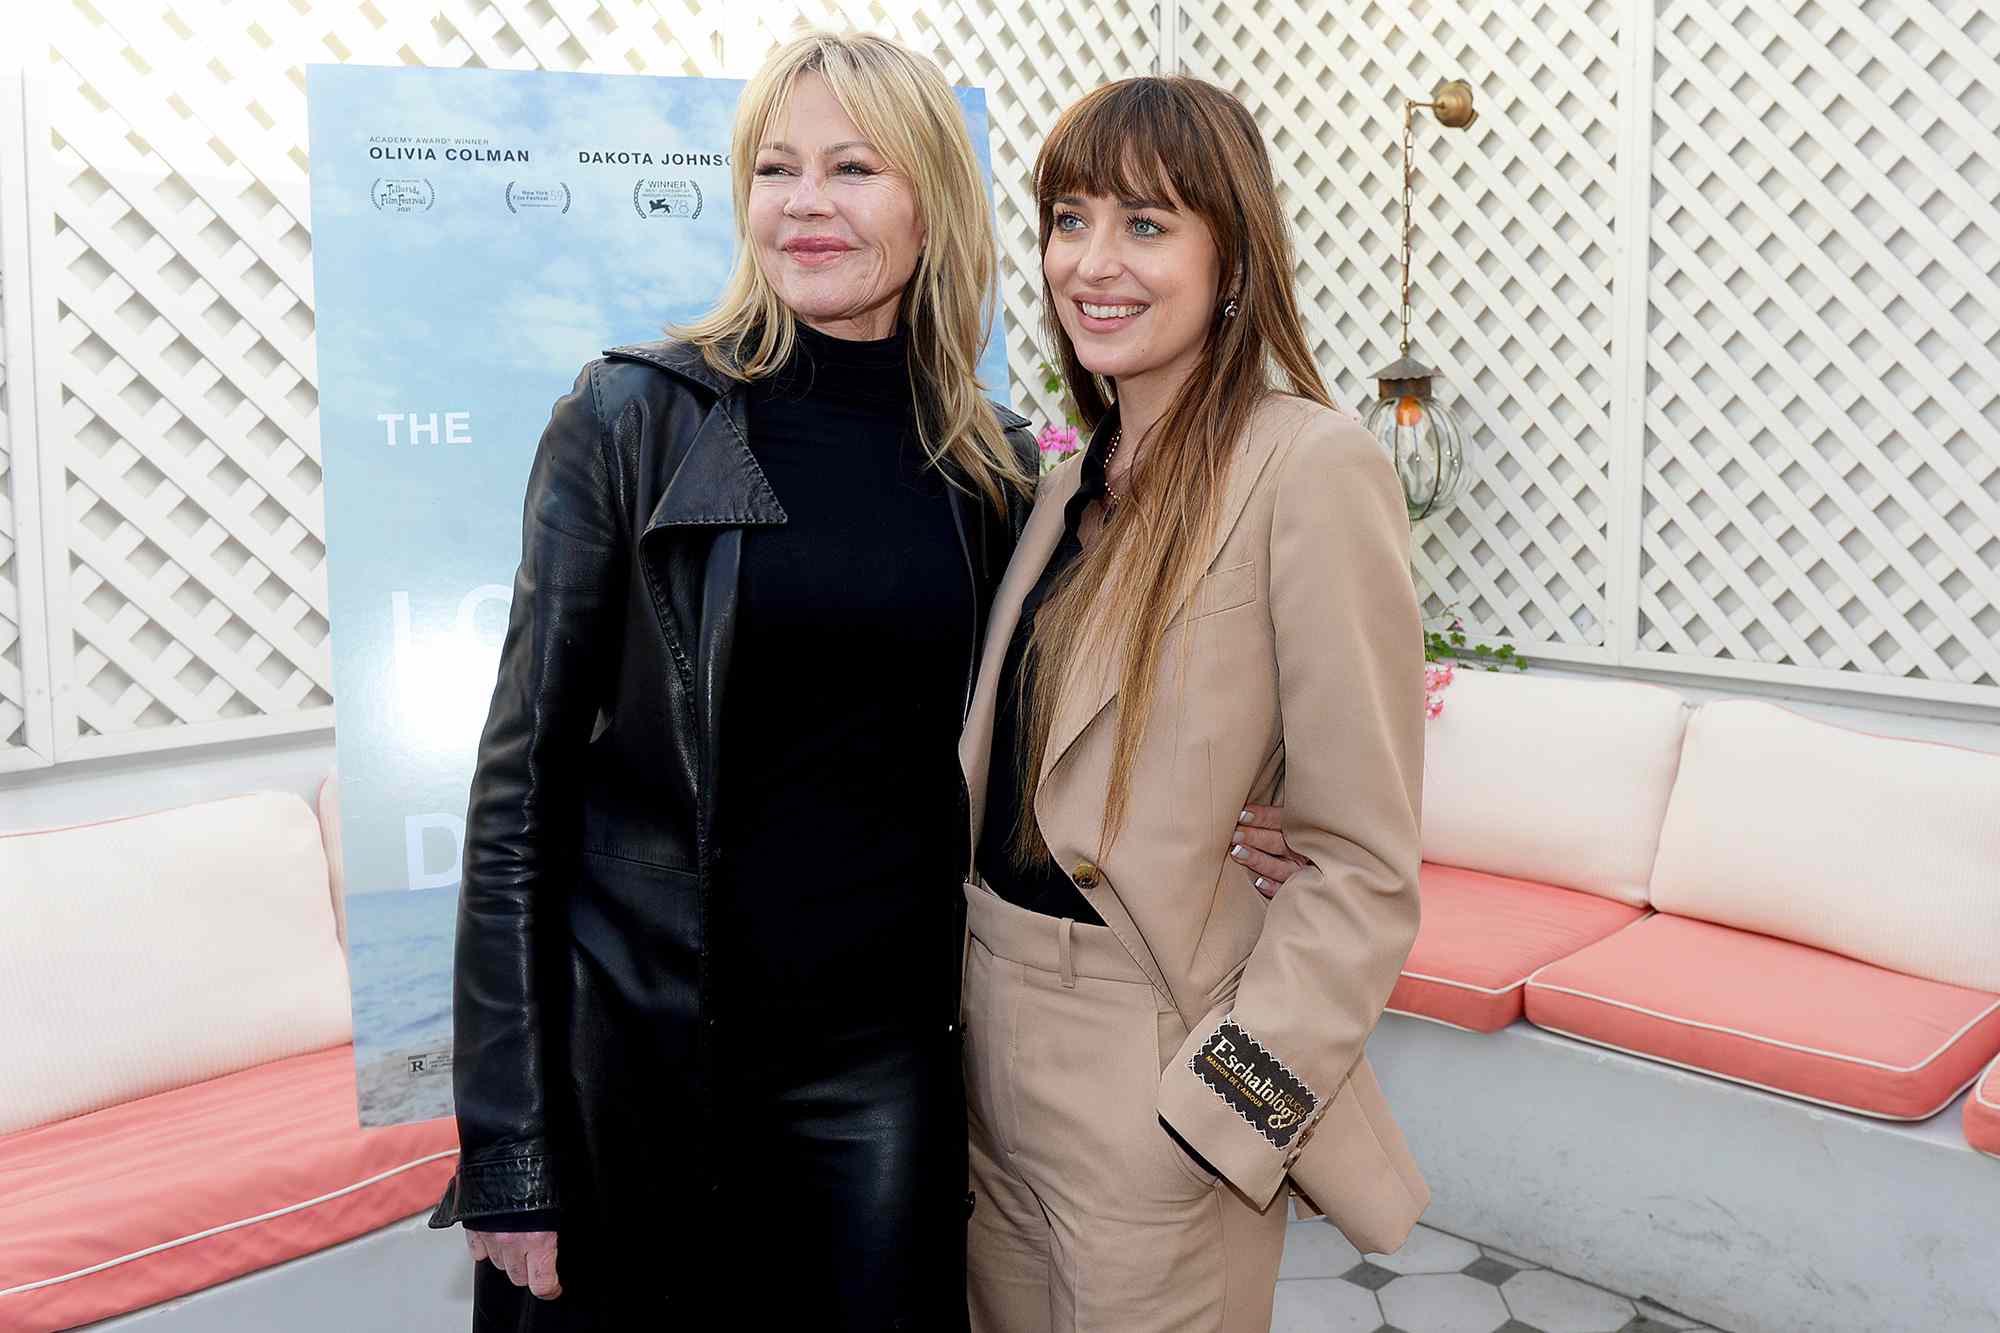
(716, 481)
(687, 362)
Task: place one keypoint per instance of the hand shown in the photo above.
(528, 1258)
(1260, 847)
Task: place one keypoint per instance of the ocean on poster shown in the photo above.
(478, 236)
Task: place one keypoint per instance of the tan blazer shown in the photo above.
(1304, 677)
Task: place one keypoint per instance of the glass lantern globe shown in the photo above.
(1421, 435)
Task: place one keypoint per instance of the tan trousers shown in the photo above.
(1088, 1217)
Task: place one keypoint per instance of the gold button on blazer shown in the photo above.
(1304, 681)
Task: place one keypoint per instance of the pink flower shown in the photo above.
(1059, 440)
(1437, 677)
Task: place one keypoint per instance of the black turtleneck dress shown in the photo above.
(840, 792)
(840, 803)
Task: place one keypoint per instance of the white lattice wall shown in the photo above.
(25, 740)
(1515, 255)
(1717, 290)
(1822, 430)
(13, 679)
(185, 562)
(1717, 286)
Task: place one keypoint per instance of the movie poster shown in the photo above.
(478, 235)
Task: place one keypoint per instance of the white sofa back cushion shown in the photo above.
(328, 811)
(154, 952)
(1559, 780)
(1881, 849)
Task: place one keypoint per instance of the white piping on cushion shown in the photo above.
(231, 1226)
(1979, 1096)
(1753, 1083)
(1485, 990)
(1456, 1027)
(1466, 985)
(1979, 1085)
(1950, 1041)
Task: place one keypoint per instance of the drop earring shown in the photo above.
(1229, 311)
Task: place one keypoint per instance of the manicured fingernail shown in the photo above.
(1243, 818)
(1238, 852)
(1260, 883)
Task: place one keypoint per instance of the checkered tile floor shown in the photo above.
(1440, 1284)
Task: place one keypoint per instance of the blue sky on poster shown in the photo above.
(547, 303)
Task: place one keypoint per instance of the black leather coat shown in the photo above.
(586, 1063)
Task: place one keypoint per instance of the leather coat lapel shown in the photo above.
(714, 481)
(717, 482)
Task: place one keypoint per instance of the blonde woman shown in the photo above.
(709, 932)
(1212, 600)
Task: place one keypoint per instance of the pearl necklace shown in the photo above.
(1111, 496)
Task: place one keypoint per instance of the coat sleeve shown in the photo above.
(1028, 455)
(1247, 1085)
(520, 826)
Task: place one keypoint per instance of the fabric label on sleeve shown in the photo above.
(1254, 1083)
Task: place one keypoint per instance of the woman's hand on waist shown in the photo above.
(1259, 846)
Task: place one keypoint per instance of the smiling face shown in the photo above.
(834, 226)
(1135, 284)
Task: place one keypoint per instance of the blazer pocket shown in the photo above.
(1222, 590)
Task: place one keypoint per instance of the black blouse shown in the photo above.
(1044, 886)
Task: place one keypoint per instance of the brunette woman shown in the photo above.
(1212, 599)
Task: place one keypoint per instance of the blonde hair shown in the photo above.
(1155, 138)
(901, 102)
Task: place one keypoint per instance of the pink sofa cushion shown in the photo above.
(155, 1198)
(1774, 1014)
(1482, 937)
(1982, 1112)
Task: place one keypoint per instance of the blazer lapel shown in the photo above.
(1031, 556)
(1094, 683)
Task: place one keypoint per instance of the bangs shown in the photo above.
(1132, 140)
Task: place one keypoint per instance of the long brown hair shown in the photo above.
(902, 102)
(1181, 139)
